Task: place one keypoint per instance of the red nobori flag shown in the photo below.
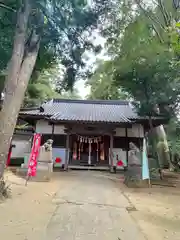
(32, 165)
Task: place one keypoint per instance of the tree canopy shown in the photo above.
(42, 33)
(103, 86)
(64, 27)
(142, 42)
(141, 64)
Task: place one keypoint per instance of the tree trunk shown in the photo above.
(12, 106)
(19, 73)
(153, 140)
(163, 149)
(162, 144)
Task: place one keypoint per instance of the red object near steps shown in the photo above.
(120, 163)
(58, 160)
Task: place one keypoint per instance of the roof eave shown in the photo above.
(86, 122)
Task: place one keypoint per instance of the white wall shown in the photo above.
(59, 129)
(43, 127)
(22, 147)
(120, 132)
(136, 131)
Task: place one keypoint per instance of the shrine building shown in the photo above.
(89, 133)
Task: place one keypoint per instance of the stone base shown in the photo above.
(44, 171)
(21, 172)
(112, 169)
(137, 183)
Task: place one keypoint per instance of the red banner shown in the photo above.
(32, 165)
(9, 156)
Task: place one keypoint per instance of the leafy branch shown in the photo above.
(3, 5)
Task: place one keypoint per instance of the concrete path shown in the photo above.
(91, 206)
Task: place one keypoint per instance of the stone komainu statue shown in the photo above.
(45, 154)
(45, 161)
(134, 155)
(48, 145)
(133, 173)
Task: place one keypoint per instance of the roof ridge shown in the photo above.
(97, 101)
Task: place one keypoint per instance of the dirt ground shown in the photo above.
(27, 213)
(158, 211)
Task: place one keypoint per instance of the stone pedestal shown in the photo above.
(133, 175)
(45, 165)
(138, 183)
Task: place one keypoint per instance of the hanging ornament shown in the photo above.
(97, 151)
(75, 151)
(102, 151)
(82, 147)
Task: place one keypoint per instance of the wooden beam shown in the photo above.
(111, 153)
(127, 144)
(52, 134)
(67, 152)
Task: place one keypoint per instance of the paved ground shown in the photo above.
(88, 205)
(91, 206)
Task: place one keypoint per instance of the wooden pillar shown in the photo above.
(111, 153)
(126, 132)
(89, 156)
(67, 152)
(52, 134)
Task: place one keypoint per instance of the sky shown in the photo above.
(92, 59)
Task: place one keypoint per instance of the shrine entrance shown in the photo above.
(89, 150)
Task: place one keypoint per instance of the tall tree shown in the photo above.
(62, 26)
(103, 86)
(143, 65)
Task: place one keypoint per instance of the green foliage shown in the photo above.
(48, 85)
(173, 133)
(103, 86)
(143, 45)
(146, 69)
(64, 27)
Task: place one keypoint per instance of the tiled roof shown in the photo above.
(86, 110)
